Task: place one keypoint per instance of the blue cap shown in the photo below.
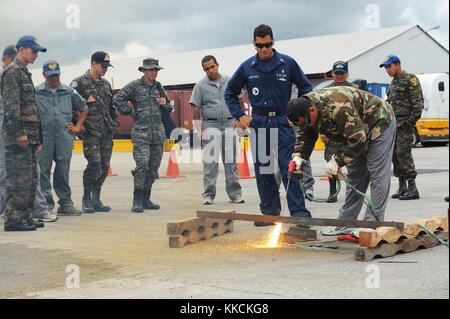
(390, 60)
(29, 41)
(340, 67)
(10, 51)
(51, 67)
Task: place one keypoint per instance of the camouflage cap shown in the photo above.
(149, 64)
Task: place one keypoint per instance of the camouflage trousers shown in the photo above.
(97, 151)
(402, 158)
(148, 159)
(21, 183)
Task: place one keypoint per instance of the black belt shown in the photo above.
(213, 119)
(268, 113)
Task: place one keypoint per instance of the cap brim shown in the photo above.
(385, 64)
(106, 65)
(38, 48)
(141, 68)
(51, 73)
(339, 71)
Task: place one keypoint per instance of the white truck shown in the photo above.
(434, 124)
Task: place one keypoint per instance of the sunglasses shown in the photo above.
(263, 45)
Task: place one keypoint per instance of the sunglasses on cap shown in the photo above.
(263, 45)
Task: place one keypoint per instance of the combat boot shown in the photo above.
(97, 203)
(87, 202)
(412, 193)
(137, 202)
(402, 189)
(333, 191)
(19, 226)
(147, 203)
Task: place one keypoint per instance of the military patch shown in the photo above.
(74, 84)
(255, 91)
(414, 81)
(53, 66)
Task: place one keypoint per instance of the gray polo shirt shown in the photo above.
(209, 97)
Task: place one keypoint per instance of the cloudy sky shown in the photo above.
(135, 28)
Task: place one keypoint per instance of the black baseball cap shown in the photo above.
(102, 58)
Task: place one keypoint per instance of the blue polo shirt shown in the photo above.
(269, 84)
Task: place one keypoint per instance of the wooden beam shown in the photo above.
(299, 220)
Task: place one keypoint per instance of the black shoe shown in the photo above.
(137, 202)
(147, 202)
(21, 226)
(412, 192)
(36, 223)
(263, 224)
(97, 203)
(410, 195)
(402, 188)
(332, 198)
(87, 203)
(99, 207)
(68, 211)
(400, 192)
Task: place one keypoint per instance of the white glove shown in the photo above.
(299, 162)
(332, 168)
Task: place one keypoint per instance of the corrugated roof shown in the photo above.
(314, 54)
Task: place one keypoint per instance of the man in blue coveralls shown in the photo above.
(268, 78)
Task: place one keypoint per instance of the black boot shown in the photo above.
(36, 223)
(402, 189)
(87, 202)
(333, 190)
(412, 192)
(19, 226)
(137, 202)
(97, 203)
(147, 203)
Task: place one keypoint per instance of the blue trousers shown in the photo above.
(273, 142)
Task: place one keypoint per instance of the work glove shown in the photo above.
(332, 167)
(299, 162)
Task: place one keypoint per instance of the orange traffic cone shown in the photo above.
(110, 172)
(243, 169)
(173, 170)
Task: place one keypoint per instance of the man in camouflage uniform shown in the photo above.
(405, 96)
(100, 124)
(362, 128)
(340, 77)
(22, 135)
(148, 100)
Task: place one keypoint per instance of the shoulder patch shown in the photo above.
(414, 81)
(74, 84)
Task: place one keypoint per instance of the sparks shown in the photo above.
(274, 237)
